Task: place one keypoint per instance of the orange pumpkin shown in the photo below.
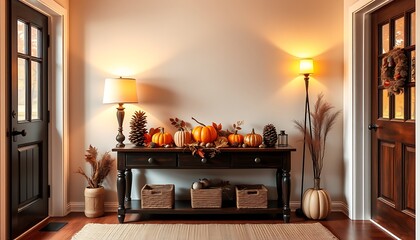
(235, 138)
(182, 138)
(204, 134)
(162, 138)
(253, 139)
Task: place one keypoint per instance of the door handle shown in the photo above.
(373, 126)
(16, 133)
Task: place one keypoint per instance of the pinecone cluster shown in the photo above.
(270, 135)
(138, 128)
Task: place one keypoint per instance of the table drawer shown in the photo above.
(186, 160)
(257, 160)
(151, 160)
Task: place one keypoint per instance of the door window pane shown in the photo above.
(21, 95)
(413, 28)
(413, 103)
(35, 89)
(22, 37)
(399, 106)
(384, 103)
(36, 42)
(399, 32)
(385, 38)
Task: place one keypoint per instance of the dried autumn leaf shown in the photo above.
(154, 130)
(200, 152)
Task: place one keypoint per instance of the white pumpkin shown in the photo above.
(316, 203)
(181, 138)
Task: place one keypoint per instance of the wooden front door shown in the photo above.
(28, 134)
(393, 117)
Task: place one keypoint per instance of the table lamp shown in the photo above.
(120, 90)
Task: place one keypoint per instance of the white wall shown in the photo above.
(219, 61)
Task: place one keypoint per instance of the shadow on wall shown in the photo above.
(154, 94)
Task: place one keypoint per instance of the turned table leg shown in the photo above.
(285, 183)
(129, 180)
(121, 184)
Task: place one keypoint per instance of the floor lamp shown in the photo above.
(306, 68)
(120, 90)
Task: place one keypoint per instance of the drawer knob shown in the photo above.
(150, 160)
(203, 160)
(257, 160)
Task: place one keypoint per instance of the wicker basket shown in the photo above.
(158, 196)
(206, 198)
(251, 196)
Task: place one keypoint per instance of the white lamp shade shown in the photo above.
(120, 90)
(306, 66)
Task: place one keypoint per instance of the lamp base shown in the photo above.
(120, 145)
(120, 118)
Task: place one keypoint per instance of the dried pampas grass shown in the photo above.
(322, 121)
(100, 168)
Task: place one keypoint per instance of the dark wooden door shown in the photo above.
(28, 118)
(393, 117)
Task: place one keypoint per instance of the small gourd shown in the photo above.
(204, 134)
(235, 139)
(182, 138)
(253, 139)
(162, 138)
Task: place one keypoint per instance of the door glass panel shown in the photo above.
(399, 32)
(36, 42)
(385, 38)
(399, 106)
(413, 66)
(413, 103)
(413, 28)
(385, 103)
(22, 37)
(21, 95)
(35, 89)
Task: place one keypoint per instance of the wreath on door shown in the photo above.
(394, 71)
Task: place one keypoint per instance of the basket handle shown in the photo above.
(252, 192)
(156, 192)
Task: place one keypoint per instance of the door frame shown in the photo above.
(58, 104)
(357, 107)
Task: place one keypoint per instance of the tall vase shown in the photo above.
(94, 202)
(316, 202)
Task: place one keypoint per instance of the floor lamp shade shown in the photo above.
(120, 90)
(306, 66)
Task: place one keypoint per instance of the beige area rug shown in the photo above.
(203, 231)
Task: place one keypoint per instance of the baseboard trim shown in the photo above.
(336, 206)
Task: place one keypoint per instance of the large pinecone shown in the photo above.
(270, 135)
(138, 128)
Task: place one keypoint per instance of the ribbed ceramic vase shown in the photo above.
(94, 202)
(316, 202)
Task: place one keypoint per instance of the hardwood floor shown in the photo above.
(338, 223)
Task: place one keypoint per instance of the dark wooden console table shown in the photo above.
(131, 157)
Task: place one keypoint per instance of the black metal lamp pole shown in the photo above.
(307, 121)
